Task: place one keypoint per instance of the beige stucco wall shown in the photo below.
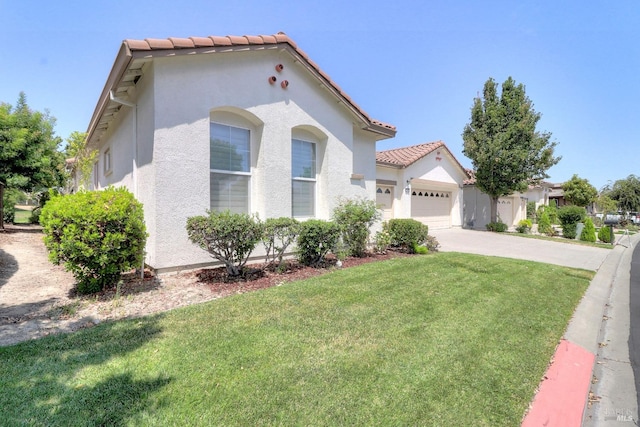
(441, 174)
(176, 98)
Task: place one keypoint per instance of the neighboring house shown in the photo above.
(556, 195)
(248, 123)
(477, 206)
(423, 182)
(539, 194)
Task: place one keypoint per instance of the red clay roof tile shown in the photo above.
(406, 156)
(255, 39)
(181, 43)
(160, 43)
(137, 44)
(202, 41)
(239, 40)
(221, 41)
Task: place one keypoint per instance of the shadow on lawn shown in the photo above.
(41, 382)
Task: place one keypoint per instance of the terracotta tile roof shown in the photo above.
(124, 71)
(406, 156)
(175, 43)
(472, 177)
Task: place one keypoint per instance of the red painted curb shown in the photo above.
(563, 391)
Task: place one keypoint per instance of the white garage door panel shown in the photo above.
(505, 211)
(432, 208)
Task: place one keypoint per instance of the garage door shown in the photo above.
(431, 207)
(505, 211)
(384, 200)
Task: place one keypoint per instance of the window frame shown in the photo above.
(232, 172)
(106, 160)
(313, 180)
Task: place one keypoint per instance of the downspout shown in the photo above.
(134, 170)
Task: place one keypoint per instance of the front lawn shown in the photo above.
(444, 339)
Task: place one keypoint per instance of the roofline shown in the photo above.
(442, 145)
(120, 65)
(149, 48)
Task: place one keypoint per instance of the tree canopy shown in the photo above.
(29, 156)
(506, 150)
(83, 158)
(626, 193)
(578, 191)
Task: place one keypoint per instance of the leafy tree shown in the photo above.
(579, 192)
(29, 156)
(83, 157)
(606, 203)
(626, 193)
(506, 150)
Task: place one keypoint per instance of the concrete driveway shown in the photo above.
(508, 246)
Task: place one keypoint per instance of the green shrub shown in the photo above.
(569, 217)
(382, 240)
(419, 249)
(407, 232)
(228, 237)
(278, 235)
(355, 217)
(10, 199)
(544, 224)
(524, 226)
(431, 244)
(531, 211)
(497, 227)
(96, 234)
(604, 234)
(316, 239)
(569, 231)
(551, 210)
(589, 231)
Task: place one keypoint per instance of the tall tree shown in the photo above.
(626, 193)
(81, 157)
(578, 191)
(29, 156)
(506, 150)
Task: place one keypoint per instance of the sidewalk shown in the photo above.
(590, 381)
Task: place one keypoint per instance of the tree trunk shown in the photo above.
(494, 209)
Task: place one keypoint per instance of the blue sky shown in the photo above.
(415, 64)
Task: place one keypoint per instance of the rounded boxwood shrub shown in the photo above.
(497, 227)
(604, 234)
(229, 237)
(315, 240)
(407, 232)
(96, 234)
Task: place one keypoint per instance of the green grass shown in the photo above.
(446, 339)
(23, 216)
(560, 239)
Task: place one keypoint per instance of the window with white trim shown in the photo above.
(230, 168)
(303, 175)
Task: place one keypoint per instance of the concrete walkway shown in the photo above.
(590, 381)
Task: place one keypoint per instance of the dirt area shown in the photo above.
(38, 298)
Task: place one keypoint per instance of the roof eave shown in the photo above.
(120, 66)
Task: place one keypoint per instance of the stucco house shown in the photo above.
(423, 182)
(246, 123)
(477, 206)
